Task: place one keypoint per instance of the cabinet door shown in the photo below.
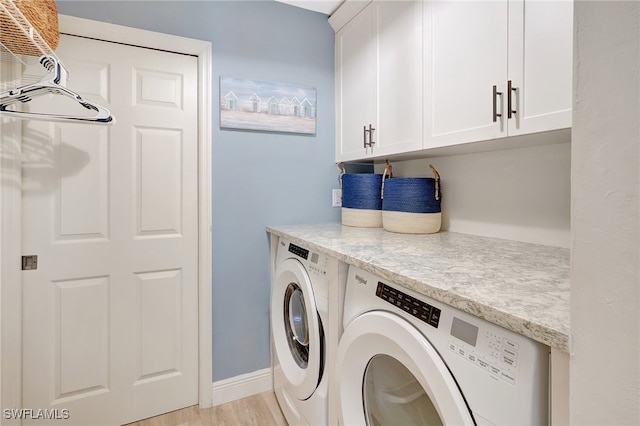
(355, 82)
(398, 32)
(540, 65)
(466, 56)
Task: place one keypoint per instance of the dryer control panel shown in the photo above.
(485, 347)
(299, 251)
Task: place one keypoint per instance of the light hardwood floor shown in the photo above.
(258, 410)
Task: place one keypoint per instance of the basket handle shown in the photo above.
(341, 170)
(437, 176)
(387, 169)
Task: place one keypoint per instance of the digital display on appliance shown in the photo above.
(314, 257)
(464, 331)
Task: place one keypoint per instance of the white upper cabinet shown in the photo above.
(465, 56)
(540, 65)
(416, 75)
(379, 81)
(355, 86)
(496, 68)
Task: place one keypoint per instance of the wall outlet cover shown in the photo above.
(337, 198)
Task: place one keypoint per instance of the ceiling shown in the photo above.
(323, 6)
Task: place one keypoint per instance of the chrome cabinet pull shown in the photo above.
(495, 103)
(364, 133)
(510, 110)
(371, 141)
(370, 131)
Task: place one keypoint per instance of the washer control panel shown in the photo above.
(486, 349)
(317, 264)
(419, 309)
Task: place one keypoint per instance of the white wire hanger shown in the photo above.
(55, 83)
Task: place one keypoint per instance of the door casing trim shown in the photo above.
(11, 209)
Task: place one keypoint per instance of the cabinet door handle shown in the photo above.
(495, 103)
(364, 133)
(510, 90)
(370, 131)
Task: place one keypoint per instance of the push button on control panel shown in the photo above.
(496, 355)
(507, 343)
(299, 251)
(415, 307)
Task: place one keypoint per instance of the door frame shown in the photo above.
(11, 207)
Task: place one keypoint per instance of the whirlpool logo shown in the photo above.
(361, 280)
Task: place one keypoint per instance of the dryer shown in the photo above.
(306, 311)
(407, 359)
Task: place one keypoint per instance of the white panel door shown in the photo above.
(540, 65)
(468, 56)
(355, 85)
(110, 316)
(398, 121)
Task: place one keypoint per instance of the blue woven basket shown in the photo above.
(361, 198)
(361, 191)
(411, 194)
(412, 204)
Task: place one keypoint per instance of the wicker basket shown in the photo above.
(412, 205)
(15, 34)
(361, 202)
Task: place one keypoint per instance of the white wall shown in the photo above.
(518, 194)
(605, 319)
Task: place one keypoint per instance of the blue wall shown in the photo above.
(259, 179)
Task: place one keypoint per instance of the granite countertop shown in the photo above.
(520, 286)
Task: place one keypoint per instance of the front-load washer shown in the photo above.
(306, 323)
(407, 359)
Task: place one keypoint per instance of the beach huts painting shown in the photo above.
(267, 106)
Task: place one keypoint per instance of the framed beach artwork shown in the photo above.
(267, 106)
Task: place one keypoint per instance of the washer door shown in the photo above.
(297, 336)
(400, 377)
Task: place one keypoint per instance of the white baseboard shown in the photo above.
(242, 386)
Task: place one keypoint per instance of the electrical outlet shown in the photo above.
(337, 197)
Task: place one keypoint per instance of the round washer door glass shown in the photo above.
(393, 396)
(388, 373)
(297, 332)
(296, 324)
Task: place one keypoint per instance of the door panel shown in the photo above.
(464, 66)
(82, 198)
(81, 348)
(355, 85)
(540, 65)
(398, 83)
(110, 326)
(159, 337)
(158, 212)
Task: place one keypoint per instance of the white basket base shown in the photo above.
(411, 223)
(362, 218)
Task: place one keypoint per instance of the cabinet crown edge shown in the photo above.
(347, 10)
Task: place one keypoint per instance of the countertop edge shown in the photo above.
(538, 332)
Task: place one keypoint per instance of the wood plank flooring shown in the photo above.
(258, 410)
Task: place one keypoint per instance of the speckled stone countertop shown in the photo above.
(520, 286)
